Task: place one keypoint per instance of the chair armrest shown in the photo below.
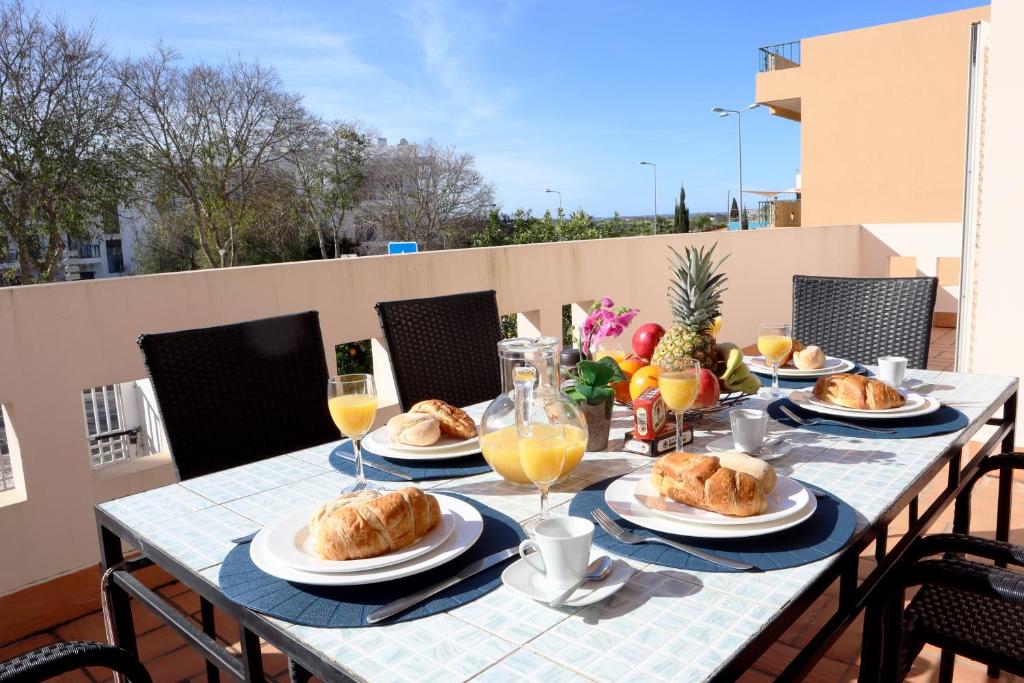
(997, 551)
(60, 658)
(981, 579)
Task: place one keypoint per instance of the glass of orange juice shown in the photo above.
(542, 455)
(775, 341)
(678, 380)
(612, 349)
(352, 402)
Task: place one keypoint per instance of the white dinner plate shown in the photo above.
(619, 497)
(448, 448)
(787, 498)
(832, 366)
(468, 527)
(773, 448)
(289, 542)
(916, 406)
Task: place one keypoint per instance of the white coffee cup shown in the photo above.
(891, 369)
(748, 429)
(562, 546)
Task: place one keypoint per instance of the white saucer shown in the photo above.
(526, 580)
(775, 449)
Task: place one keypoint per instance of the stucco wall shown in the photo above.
(56, 340)
(882, 120)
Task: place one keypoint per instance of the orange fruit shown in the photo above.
(628, 367)
(643, 379)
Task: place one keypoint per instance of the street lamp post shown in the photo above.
(739, 146)
(655, 167)
(550, 191)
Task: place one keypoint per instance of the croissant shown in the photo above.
(356, 526)
(700, 481)
(857, 392)
(454, 421)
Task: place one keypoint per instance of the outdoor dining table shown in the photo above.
(665, 624)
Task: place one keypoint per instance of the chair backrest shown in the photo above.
(444, 347)
(863, 318)
(234, 394)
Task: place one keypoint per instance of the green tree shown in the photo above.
(62, 117)
(734, 211)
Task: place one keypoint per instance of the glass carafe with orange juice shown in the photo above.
(679, 380)
(517, 445)
(352, 402)
(775, 341)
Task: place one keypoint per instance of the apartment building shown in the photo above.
(882, 114)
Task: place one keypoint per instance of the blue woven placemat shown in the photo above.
(792, 383)
(347, 606)
(942, 421)
(420, 469)
(826, 532)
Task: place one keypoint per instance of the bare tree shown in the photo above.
(61, 118)
(208, 135)
(425, 193)
(331, 171)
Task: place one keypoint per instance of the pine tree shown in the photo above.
(734, 212)
(684, 211)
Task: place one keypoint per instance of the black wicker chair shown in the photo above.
(61, 658)
(864, 318)
(235, 394)
(444, 347)
(965, 608)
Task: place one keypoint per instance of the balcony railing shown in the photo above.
(781, 56)
(54, 481)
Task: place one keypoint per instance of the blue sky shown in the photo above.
(569, 95)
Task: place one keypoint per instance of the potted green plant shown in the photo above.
(595, 396)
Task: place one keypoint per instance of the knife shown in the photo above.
(404, 603)
(381, 467)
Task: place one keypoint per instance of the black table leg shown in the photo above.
(120, 603)
(252, 657)
(210, 629)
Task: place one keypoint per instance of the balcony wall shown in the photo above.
(56, 340)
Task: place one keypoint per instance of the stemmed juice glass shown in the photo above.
(542, 456)
(612, 349)
(678, 380)
(352, 402)
(775, 341)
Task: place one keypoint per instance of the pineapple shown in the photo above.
(695, 295)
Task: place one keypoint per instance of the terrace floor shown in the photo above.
(168, 659)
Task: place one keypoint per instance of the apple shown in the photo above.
(646, 338)
(708, 389)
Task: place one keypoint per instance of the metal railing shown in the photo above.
(781, 56)
(6, 475)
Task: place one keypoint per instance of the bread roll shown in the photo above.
(454, 421)
(755, 467)
(857, 392)
(414, 429)
(797, 346)
(701, 482)
(811, 358)
(356, 526)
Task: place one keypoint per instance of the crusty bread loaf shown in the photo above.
(414, 429)
(454, 421)
(755, 467)
(355, 526)
(700, 481)
(857, 392)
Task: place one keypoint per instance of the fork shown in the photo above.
(823, 421)
(359, 486)
(629, 538)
